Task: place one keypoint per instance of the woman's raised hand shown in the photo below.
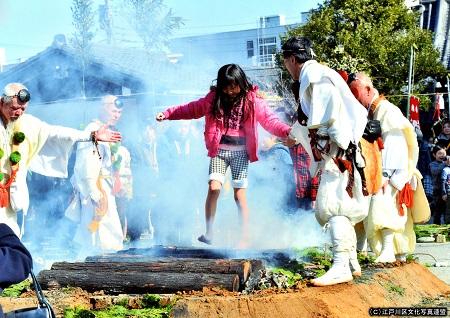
(160, 116)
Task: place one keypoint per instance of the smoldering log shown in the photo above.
(243, 268)
(148, 254)
(135, 282)
(163, 251)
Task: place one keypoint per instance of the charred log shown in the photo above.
(243, 268)
(116, 282)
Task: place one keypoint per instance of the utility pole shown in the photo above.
(448, 94)
(410, 79)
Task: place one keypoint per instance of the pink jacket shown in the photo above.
(256, 108)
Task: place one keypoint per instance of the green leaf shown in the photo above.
(376, 37)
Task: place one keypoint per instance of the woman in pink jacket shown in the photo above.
(232, 110)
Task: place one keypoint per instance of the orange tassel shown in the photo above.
(93, 226)
(343, 164)
(380, 143)
(4, 188)
(406, 197)
(3, 198)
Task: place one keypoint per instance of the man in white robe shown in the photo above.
(45, 150)
(389, 226)
(94, 205)
(336, 122)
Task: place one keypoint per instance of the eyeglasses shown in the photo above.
(351, 77)
(23, 96)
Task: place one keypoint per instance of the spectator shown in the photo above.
(15, 260)
(276, 175)
(446, 192)
(443, 139)
(438, 205)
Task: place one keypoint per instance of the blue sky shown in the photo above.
(28, 26)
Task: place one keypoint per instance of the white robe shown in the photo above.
(399, 155)
(88, 170)
(45, 150)
(333, 110)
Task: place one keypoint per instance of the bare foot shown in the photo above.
(202, 238)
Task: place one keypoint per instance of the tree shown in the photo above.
(83, 21)
(374, 36)
(152, 22)
(105, 20)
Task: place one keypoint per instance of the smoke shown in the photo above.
(172, 194)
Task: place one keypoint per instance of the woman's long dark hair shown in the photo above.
(227, 75)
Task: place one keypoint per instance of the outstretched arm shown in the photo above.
(192, 110)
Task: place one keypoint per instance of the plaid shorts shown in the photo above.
(237, 160)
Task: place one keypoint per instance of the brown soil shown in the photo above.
(399, 286)
(404, 286)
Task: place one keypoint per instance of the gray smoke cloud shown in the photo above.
(173, 198)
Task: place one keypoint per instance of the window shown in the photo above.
(250, 49)
(267, 51)
(268, 46)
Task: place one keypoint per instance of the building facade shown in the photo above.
(252, 48)
(436, 18)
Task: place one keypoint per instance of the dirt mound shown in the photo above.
(399, 285)
(404, 286)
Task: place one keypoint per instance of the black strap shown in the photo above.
(43, 302)
(232, 140)
(301, 116)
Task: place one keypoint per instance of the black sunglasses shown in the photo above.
(23, 96)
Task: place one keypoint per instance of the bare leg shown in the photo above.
(241, 202)
(211, 206)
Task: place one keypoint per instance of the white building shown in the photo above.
(252, 48)
(436, 17)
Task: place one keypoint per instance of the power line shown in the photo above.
(423, 94)
(293, 18)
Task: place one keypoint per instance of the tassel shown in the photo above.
(4, 197)
(380, 143)
(406, 197)
(343, 164)
(93, 226)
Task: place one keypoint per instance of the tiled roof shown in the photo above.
(133, 62)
